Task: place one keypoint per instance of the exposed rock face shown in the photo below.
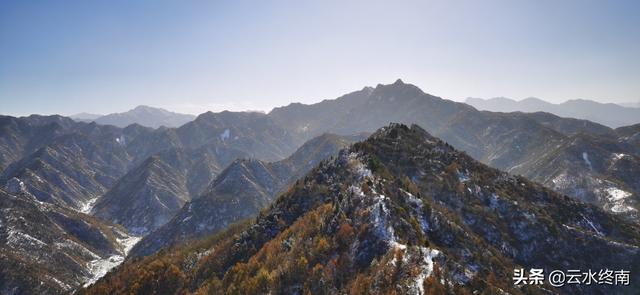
(145, 198)
(400, 212)
(228, 166)
(239, 192)
(596, 170)
(539, 146)
(148, 174)
(49, 249)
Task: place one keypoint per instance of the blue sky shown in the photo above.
(68, 57)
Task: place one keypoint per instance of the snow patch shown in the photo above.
(128, 242)
(17, 238)
(618, 197)
(121, 140)
(585, 157)
(160, 201)
(617, 156)
(417, 208)
(15, 186)
(422, 257)
(64, 286)
(616, 194)
(87, 206)
(463, 177)
(225, 135)
(100, 267)
(426, 268)
(590, 223)
(358, 167)
(380, 214)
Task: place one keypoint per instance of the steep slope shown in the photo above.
(609, 114)
(254, 133)
(74, 163)
(145, 198)
(200, 166)
(48, 249)
(77, 167)
(24, 135)
(204, 147)
(595, 170)
(312, 120)
(312, 152)
(145, 116)
(525, 143)
(478, 133)
(71, 170)
(570, 126)
(221, 137)
(630, 135)
(240, 191)
(402, 212)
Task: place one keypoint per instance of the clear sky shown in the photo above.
(68, 57)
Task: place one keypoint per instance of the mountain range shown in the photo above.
(630, 104)
(244, 188)
(196, 183)
(514, 142)
(48, 248)
(87, 168)
(609, 114)
(402, 212)
(142, 115)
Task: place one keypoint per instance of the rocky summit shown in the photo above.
(401, 212)
(167, 187)
(240, 192)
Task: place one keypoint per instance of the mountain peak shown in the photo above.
(398, 131)
(405, 204)
(143, 115)
(398, 82)
(148, 108)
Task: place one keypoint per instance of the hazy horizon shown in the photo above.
(193, 57)
(195, 113)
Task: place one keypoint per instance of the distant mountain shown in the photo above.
(139, 177)
(241, 191)
(402, 212)
(73, 163)
(143, 115)
(525, 143)
(596, 170)
(22, 136)
(630, 104)
(63, 161)
(37, 150)
(612, 115)
(49, 249)
(183, 163)
(85, 117)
